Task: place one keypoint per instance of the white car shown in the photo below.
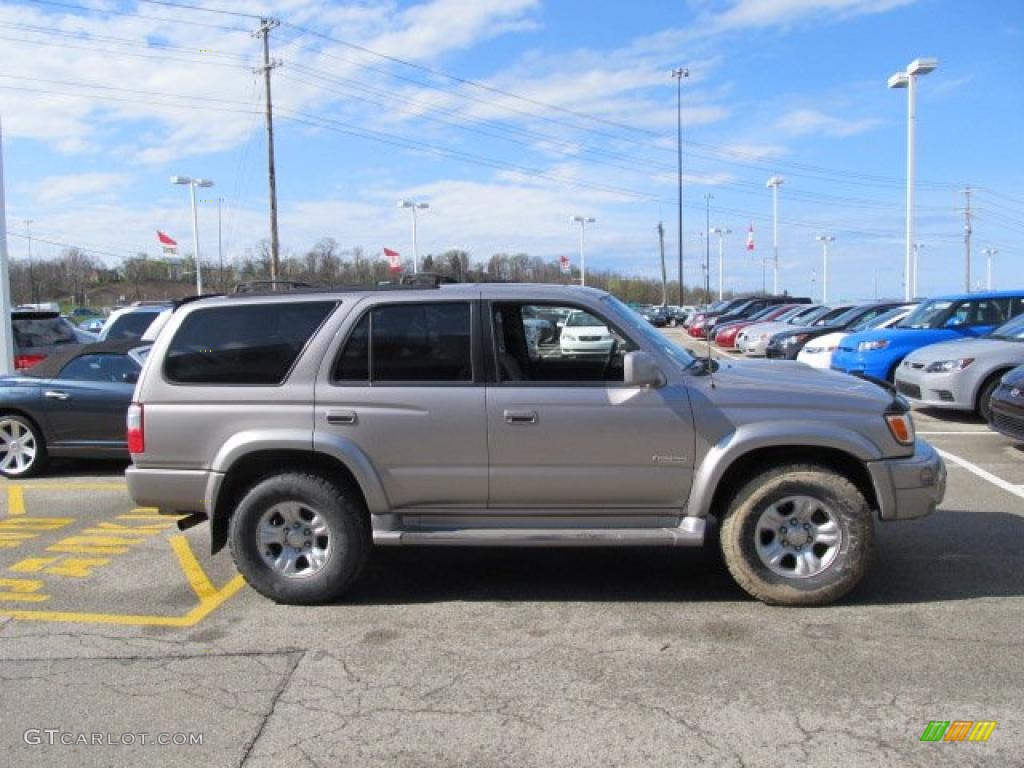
(753, 339)
(585, 335)
(818, 352)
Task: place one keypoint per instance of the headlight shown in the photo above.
(871, 346)
(813, 350)
(568, 336)
(945, 366)
(901, 425)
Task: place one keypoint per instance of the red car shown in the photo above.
(696, 327)
(726, 336)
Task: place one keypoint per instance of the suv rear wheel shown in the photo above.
(299, 539)
(798, 535)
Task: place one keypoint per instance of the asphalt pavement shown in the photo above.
(116, 628)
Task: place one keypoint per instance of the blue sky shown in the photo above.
(102, 104)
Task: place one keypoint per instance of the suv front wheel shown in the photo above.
(299, 538)
(798, 535)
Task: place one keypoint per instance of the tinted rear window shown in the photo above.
(42, 332)
(254, 344)
(131, 325)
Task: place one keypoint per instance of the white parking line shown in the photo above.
(988, 432)
(984, 474)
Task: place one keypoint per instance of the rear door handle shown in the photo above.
(341, 417)
(520, 417)
(52, 394)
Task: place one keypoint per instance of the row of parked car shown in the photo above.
(956, 352)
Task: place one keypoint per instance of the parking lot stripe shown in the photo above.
(987, 432)
(197, 578)
(15, 500)
(983, 473)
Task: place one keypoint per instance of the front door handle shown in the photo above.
(520, 417)
(53, 394)
(341, 417)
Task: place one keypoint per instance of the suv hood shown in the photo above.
(787, 384)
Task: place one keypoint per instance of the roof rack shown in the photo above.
(261, 286)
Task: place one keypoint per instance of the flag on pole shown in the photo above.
(750, 237)
(565, 264)
(166, 242)
(394, 260)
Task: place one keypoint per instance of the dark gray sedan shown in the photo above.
(72, 404)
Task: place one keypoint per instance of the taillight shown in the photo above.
(136, 429)
(21, 362)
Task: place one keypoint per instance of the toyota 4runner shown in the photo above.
(310, 427)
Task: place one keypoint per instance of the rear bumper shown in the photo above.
(909, 488)
(174, 491)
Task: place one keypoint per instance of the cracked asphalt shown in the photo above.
(535, 658)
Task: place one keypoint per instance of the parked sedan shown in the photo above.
(817, 353)
(583, 334)
(1006, 409)
(787, 345)
(753, 339)
(962, 375)
(72, 404)
(725, 333)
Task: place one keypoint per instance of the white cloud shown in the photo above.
(53, 190)
(802, 122)
(768, 13)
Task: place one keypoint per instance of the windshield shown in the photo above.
(877, 321)
(931, 314)
(830, 316)
(847, 316)
(582, 320)
(42, 332)
(641, 327)
(1011, 331)
(807, 315)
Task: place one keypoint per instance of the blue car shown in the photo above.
(878, 353)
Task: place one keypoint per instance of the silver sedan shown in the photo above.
(961, 375)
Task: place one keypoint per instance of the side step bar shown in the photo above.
(690, 533)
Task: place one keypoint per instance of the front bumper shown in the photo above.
(860, 363)
(911, 487)
(174, 491)
(933, 390)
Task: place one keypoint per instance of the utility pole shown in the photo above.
(679, 73)
(6, 334)
(967, 240)
(31, 272)
(664, 276)
(264, 32)
(220, 243)
(708, 197)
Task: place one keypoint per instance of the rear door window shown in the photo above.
(245, 345)
(131, 325)
(106, 368)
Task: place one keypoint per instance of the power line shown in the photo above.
(131, 14)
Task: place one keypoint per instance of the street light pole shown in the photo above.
(192, 184)
(721, 232)
(582, 221)
(679, 73)
(773, 184)
(220, 243)
(906, 79)
(989, 253)
(707, 245)
(414, 206)
(917, 258)
(824, 240)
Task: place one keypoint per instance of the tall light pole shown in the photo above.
(220, 243)
(721, 258)
(582, 221)
(906, 79)
(31, 272)
(414, 206)
(917, 257)
(773, 184)
(989, 253)
(192, 184)
(824, 240)
(679, 73)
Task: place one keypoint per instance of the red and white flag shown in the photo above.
(565, 265)
(750, 238)
(166, 242)
(394, 260)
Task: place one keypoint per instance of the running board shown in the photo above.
(690, 533)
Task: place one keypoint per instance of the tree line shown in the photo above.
(77, 278)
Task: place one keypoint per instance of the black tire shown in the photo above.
(345, 516)
(984, 405)
(27, 432)
(853, 518)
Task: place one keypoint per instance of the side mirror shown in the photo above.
(641, 370)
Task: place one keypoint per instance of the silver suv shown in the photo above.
(310, 427)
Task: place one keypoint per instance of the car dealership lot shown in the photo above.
(113, 622)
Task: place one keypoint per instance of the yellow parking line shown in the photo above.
(197, 578)
(15, 500)
(59, 486)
